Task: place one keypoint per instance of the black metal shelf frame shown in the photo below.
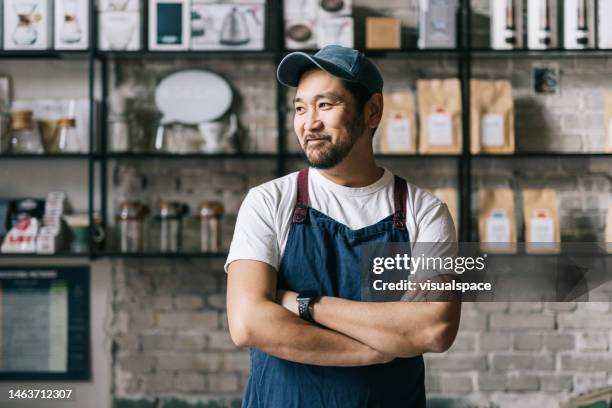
(99, 156)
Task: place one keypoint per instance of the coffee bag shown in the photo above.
(440, 116)
(497, 220)
(398, 125)
(541, 216)
(492, 117)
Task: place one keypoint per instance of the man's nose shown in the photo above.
(312, 121)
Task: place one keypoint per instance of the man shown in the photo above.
(293, 290)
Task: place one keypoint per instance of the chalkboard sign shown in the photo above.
(44, 323)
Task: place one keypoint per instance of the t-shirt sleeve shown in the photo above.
(435, 226)
(255, 237)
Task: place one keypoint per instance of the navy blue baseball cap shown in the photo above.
(345, 63)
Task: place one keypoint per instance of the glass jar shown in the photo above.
(210, 228)
(66, 136)
(24, 136)
(130, 226)
(168, 228)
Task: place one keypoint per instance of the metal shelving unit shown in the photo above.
(99, 157)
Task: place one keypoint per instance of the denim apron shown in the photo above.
(324, 255)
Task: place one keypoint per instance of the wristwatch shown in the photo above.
(304, 300)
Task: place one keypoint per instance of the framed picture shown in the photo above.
(545, 79)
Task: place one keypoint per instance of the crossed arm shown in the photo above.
(353, 333)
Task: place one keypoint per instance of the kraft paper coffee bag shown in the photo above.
(398, 125)
(491, 117)
(608, 121)
(541, 216)
(449, 197)
(497, 220)
(440, 116)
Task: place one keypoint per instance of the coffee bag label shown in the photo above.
(492, 129)
(498, 226)
(399, 136)
(440, 129)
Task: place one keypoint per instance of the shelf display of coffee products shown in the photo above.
(437, 24)
(542, 24)
(27, 25)
(507, 24)
(492, 117)
(579, 24)
(497, 221)
(120, 25)
(71, 24)
(608, 121)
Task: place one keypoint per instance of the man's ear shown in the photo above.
(374, 110)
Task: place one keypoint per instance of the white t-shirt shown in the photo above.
(265, 215)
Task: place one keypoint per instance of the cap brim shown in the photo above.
(292, 67)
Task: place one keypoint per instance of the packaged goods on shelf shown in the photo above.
(227, 26)
(506, 24)
(169, 25)
(439, 116)
(437, 24)
(383, 33)
(541, 217)
(608, 121)
(71, 28)
(337, 30)
(21, 238)
(398, 125)
(497, 220)
(301, 33)
(298, 9)
(449, 197)
(579, 24)
(27, 24)
(492, 117)
(113, 6)
(542, 24)
(120, 31)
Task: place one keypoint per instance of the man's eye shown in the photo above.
(324, 104)
(299, 109)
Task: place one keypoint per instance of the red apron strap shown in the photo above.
(300, 211)
(400, 193)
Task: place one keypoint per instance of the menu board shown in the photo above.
(44, 323)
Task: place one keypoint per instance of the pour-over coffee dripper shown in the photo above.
(71, 29)
(25, 33)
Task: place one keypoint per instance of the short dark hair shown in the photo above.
(361, 95)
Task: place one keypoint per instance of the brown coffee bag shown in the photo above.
(440, 116)
(497, 220)
(608, 122)
(491, 117)
(398, 125)
(541, 216)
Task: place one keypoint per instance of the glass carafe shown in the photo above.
(67, 137)
(25, 33)
(71, 30)
(24, 136)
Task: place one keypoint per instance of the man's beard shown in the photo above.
(329, 155)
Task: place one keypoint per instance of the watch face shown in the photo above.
(307, 294)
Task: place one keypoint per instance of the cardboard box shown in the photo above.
(223, 26)
(383, 33)
(339, 31)
(71, 26)
(120, 31)
(169, 27)
(507, 26)
(437, 24)
(542, 24)
(579, 24)
(27, 25)
(301, 34)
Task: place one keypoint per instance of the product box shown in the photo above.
(437, 24)
(119, 5)
(383, 33)
(604, 24)
(27, 24)
(223, 26)
(120, 31)
(506, 24)
(300, 9)
(334, 8)
(579, 24)
(169, 27)
(300, 34)
(338, 31)
(71, 24)
(542, 24)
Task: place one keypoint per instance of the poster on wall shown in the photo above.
(44, 323)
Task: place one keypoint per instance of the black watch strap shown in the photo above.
(304, 300)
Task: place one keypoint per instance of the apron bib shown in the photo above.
(324, 255)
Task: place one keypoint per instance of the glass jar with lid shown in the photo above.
(210, 229)
(131, 225)
(168, 232)
(24, 136)
(66, 136)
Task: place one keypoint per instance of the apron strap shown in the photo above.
(300, 211)
(400, 193)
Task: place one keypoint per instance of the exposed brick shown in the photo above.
(159, 383)
(495, 341)
(586, 362)
(473, 321)
(492, 306)
(135, 363)
(217, 301)
(526, 307)
(503, 362)
(188, 302)
(456, 363)
(523, 383)
(492, 382)
(592, 341)
(191, 382)
(156, 341)
(195, 342)
(527, 342)
(562, 306)
(223, 382)
(463, 342)
(220, 340)
(189, 362)
(183, 320)
(556, 383)
(432, 383)
(522, 321)
(456, 384)
(558, 342)
(581, 320)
